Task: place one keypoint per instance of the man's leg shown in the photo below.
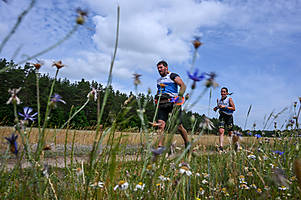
(184, 134)
(161, 132)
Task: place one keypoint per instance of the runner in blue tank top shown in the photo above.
(226, 108)
(167, 85)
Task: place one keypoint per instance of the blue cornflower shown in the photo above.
(195, 77)
(249, 133)
(278, 152)
(57, 98)
(27, 115)
(257, 135)
(13, 143)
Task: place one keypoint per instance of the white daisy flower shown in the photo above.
(122, 185)
(162, 178)
(98, 184)
(185, 170)
(139, 186)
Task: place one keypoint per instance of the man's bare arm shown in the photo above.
(182, 85)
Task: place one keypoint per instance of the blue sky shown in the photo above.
(253, 46)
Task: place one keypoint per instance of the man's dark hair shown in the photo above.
(163, 62)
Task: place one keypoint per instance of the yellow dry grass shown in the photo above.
(84, 137)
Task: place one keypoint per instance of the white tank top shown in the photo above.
(225, 102)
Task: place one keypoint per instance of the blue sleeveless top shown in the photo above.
(167, 85)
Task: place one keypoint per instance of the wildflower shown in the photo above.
(184, 164)
(259, 190)
(249, 174)
(56, 98)
(282, 187)
(196, 42)
(98, 184)
(253, 186)
(79, 171)
(244, 186)
(198, 174)
(211, 80)
(159, 185)
(249, 133)
(278, 152)
(139, 186)
(202, 191)
(45, 171)
(58, 64)
(252, 156)
(162, 178)
(257, 136)
(185, 170)
(207, 124)
(92, 94)
(27, 115)
(122, 185)
(137, 79)
(205, 175)
(293, 178)
(13, 143)
(80, 18)
(204, 181)
(241, 179)
(195, 77)
(14, 99)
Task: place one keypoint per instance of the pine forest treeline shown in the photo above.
(75, 95)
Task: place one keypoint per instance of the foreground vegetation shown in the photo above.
(260, 169)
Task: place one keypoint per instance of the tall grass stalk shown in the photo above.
(41, 139)
(96, 140)
(248, 113)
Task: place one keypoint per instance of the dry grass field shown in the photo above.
(84, 137)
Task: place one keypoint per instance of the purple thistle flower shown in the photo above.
(195, 76)
(278, 152)
(27, 115)
(57, 98)
(13, 143)
(257, 135)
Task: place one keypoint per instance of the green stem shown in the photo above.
(96, 141)
(48, 109)
(70, 118)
